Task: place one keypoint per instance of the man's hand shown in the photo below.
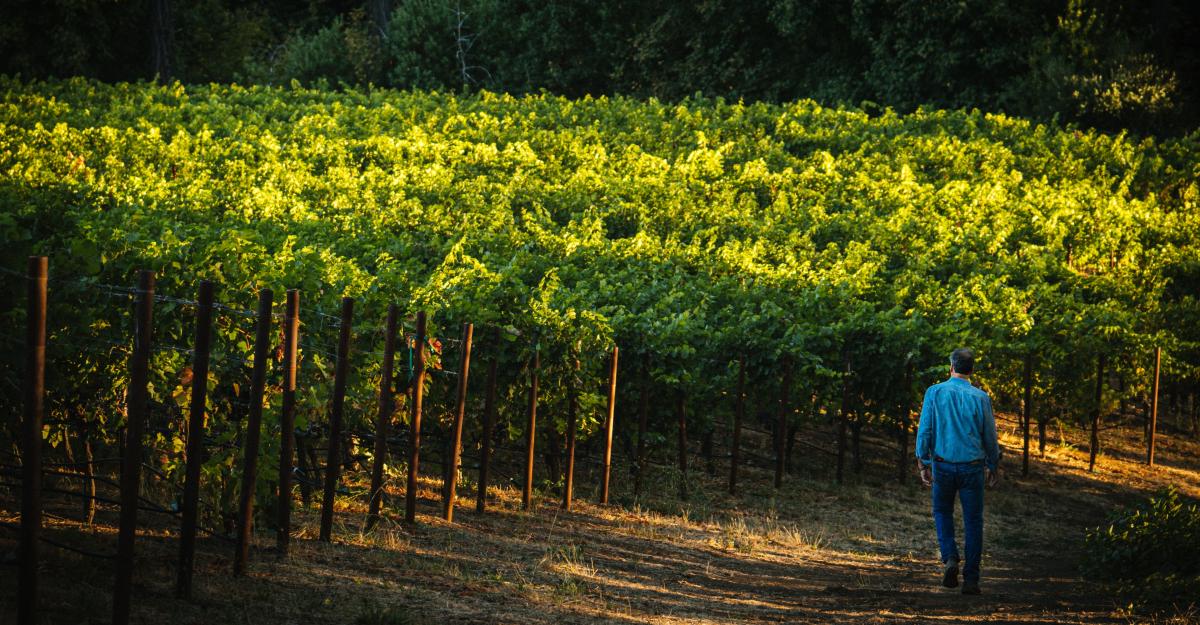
(926, 476)
(993, 477)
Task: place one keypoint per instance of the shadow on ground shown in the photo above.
(866, 556)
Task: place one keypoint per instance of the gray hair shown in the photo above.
(962, 360)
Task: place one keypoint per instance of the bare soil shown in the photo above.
(861, 552)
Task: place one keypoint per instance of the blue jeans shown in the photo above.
(967, 481)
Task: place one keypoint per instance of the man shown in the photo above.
(958, 452)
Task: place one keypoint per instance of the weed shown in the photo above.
(384, 615)
(570, 568)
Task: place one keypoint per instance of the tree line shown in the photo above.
(1109, 64)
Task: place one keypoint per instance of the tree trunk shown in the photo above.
(349, 454)
(903, 424)
(706, 448)
(841, 426)
(88, 487)
(681, 413)
(380, 11)
(643, 417)
(1195, 414)
(162, 31)
(1041, 419)
(552, 452)
(791, 444)
(1177, 408)
(89, 481)
(1146, 410)
(447, 465)
(781, 422)
(856, 441)
(305, 469)
(318, 473)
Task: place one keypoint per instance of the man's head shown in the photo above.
(962, 361)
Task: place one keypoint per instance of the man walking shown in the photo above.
(958, 452)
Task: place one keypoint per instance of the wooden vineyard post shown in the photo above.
(609, 423)
(781, 423)
(905, 423)
(681, 414)
(131, 453)
(258, 378)
(414, 432)
(1095, 440)
(531, 431)
(195, 440)
(383, 417)
(1027, 413)
(287, 419)
(332, 457)
(643, 417)
(31, 439)
(739, 411)
(572, 425)
(1154, 407)
(485, 444)
(464, 368)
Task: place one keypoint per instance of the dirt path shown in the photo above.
(812, 553)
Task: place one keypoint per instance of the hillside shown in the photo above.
(814, 552)
(819, 263)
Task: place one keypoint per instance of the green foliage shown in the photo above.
(689, 234)
(1095, 66)
(323, 57)
(214, 42)
(1111, 64)
(1149, 553)
(420, 45)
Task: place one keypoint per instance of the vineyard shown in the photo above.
(620, 283)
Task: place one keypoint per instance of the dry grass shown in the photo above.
(861, 552)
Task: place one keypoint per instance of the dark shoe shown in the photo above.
(950, 574)
(970, 588)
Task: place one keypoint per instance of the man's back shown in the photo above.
(957, 425)
(956, 437)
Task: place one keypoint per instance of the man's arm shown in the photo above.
(924, 448)
(991, 446)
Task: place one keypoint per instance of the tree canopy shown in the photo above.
(1110, 64)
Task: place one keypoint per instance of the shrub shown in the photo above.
(345, 51)
(1149, 554)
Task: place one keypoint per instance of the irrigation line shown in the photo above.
(237, 312)
(309, 346)
(12, 471)
(86, 344)
(77, 463)
(158, 297)
(49, 541)
(160, 348)
(146, 505)
(6, 471)
(79, 283)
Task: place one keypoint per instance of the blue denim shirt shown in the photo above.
(957, 425)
